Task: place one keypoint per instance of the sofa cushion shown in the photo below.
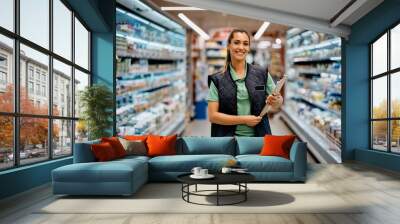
(249, 145)
(116, 145)
(257, 163)
(103, 152)
(206, 145)
(161, 145)
(134, 147)
(112, 171)
(185, 163)
(275, 145)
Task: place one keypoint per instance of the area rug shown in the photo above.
(167, 198)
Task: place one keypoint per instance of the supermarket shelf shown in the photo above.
(131, 55)
(320, 72)
(215, 48)
(321, 147)
(141, 75)
(215, 56)
(143, 90)
(319, 105)
(324, 44)
(155, 44)
(307, 60)
(219, 65)
(175, 127)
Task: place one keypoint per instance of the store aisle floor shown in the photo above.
(203, 128)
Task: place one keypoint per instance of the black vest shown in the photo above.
(255, 81)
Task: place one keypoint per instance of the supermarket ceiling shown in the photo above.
(203, 18)
(328, 16)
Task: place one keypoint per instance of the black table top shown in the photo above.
(220, 178)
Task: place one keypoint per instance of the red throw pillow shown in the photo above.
(277, 145)
(161, 145)
(136, 137)
(116, 145)
(103, 152)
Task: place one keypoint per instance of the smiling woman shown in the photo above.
(238, 94)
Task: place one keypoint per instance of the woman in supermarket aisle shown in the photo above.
(238, 94)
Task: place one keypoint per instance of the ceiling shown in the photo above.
(328, 16)
(208, 20)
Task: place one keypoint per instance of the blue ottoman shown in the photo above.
(119, 177)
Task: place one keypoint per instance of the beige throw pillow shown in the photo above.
(137, 148)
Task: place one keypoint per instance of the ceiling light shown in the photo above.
(198, 30)
(180, 8)
(261, 30)
(278, 41)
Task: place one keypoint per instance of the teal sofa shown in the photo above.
(125, 176)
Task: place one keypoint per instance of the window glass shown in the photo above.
(81, 131)
(379, 98)
(379, 55)
(6, 74)
(62, 29)
(7, 14)
(6, 142)
(62, 142)
(395, 95)
(379, 135)
(81, 45)
(81, 82)
(34, 21)
(395, 47)
(39, 61)
(395, 136)
(33, 139)
(62, 91)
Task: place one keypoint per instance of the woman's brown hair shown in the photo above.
(230, 37)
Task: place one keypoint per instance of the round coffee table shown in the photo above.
(238, 179)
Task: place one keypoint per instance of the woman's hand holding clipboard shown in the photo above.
(277, 90)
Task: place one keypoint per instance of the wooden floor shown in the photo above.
(378, 189)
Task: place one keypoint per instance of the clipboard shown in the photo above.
(277, 89)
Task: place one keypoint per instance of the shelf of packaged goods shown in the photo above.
(216, 48)
(318, 72)
(216, 56)
(145, 74)
(318, 105)
(156, 45)
(129, 110)
(173, 127)
(143, 90)
(307, 60)
(319, 144)
(294, 32)
(217, 65)
(323, 44)
(153, 78)
(141, 56)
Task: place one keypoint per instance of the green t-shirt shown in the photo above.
(243, 100)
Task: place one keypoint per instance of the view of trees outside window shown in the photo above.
(51, 134)
(385, 124)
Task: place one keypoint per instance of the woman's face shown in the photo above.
(239, 46)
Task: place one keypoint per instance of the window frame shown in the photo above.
(16, 114)
(388, 74)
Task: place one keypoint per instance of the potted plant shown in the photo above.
(96, 102)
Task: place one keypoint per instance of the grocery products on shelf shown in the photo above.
(216, 49)
(313, 67)
(151, 77)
